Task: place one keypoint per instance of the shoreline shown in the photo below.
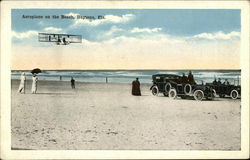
(64, 81)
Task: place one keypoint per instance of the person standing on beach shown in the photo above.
(34, 84)
(226, 82)
(22, 83)
(191, 78)
(184, 78)
(72, 83)
(136, 91)
(219, 81)
(215, 81)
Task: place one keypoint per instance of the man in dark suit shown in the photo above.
(191, 78)
(72, 83)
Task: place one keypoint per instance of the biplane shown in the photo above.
(59, 39)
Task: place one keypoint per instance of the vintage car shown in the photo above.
(172, 86)
(223, 90)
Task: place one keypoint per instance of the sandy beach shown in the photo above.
(106, 116)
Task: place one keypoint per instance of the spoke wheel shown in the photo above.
(155, 91)
(198, 95)
(168, 86)
(172, 93)
(234, 94)
(187, 89)
(214, 92)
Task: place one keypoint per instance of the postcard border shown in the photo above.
(7, 153)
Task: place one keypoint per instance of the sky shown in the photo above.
(128, 39)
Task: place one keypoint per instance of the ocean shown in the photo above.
(127, 76)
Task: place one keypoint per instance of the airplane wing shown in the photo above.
(59, 38)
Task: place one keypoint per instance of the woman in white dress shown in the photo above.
(22, 83)
(34, 84)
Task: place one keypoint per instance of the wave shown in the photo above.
(123, 76)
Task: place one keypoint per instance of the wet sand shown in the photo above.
(106, 116)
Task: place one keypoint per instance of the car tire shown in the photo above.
(172, 93)
(234, 94)
(198, 95)
(213, 95)
(167, 87)
(155, 91)
(189, 88)
(214, 92)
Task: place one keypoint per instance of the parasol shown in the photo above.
(36, 70)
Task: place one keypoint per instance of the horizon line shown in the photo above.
(121, 69)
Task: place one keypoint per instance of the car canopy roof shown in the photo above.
(167, 75)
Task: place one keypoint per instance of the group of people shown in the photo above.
(22, 83)
(215, 82)
(188, 79)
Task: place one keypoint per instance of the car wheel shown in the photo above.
(212, 96)
(198, 95)
(234, 94)
(172, 93)
(155, 91)
(214, 92)
(168, 86)
(187, 89)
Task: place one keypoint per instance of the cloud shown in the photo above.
(150, 34)
(218, 35)
(22, 35)
(72, 14)
(108, 19)
(114, 29)
(53, 29)
(124, 52)
(147, 30)
(118, 19)
(29, 34)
